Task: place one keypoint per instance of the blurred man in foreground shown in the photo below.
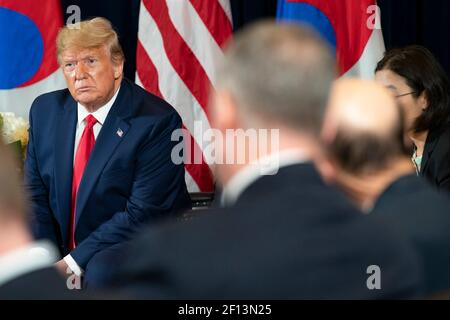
(26, 267)
(283, 234)
(363, 135)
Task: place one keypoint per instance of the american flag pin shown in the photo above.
(119, 132)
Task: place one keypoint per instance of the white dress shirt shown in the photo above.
(35, 256)
(100, 114)
(268, 165)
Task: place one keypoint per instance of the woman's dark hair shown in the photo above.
(423, 73)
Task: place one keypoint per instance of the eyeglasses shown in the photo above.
(404, 94)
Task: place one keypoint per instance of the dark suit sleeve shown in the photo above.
(42, 224)
(158, 189)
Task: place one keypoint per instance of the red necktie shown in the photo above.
(84, 149)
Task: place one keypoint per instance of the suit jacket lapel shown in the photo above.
(113, 131)
(64, 145)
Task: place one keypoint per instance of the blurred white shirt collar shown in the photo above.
(35, 256)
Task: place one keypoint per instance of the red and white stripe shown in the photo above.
(373, 51)
(179, 44)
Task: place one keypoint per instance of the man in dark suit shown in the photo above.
(99, 158)
(367, 160)
(283, 233)
(26, 267)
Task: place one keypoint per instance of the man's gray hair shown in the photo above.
(279, 71)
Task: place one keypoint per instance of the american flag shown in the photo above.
(179, 43)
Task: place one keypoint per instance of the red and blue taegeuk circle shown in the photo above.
(342, 23)
(28, 30)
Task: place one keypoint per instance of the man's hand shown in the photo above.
(72, 280)
(62, 267)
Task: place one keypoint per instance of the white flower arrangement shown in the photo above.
(14, 130)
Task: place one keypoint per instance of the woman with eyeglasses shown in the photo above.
(422, 89)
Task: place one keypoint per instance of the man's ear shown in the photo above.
(118, 70)
(223, 110)
(326, 168)
(325, 165)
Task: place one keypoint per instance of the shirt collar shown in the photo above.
(35, 256)
(268, 165)
(100, 114)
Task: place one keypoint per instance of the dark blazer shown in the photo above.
(289, 236)
(41, 284)
(435, 165)
(129, 178)
(414, 208)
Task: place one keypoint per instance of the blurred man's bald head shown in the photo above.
(363, 106)
(363, 128)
